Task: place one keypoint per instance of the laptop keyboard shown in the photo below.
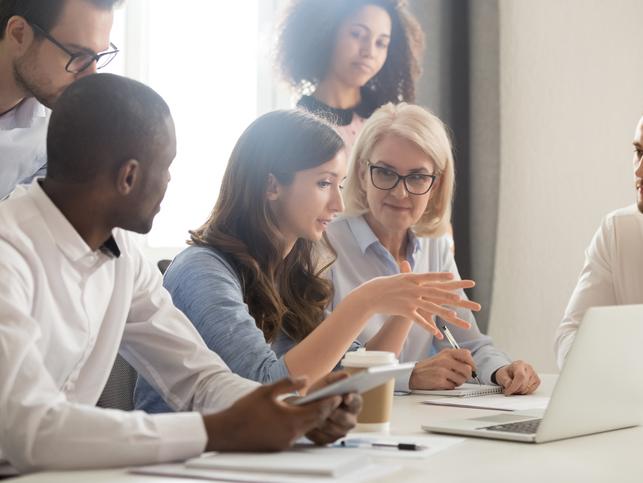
(523, 427)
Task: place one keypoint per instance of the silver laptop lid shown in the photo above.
(601, 385)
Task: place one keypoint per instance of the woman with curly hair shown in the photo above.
(250, 282)
(348, 58)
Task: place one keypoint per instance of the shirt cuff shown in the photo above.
(182, 436)
(402, 383)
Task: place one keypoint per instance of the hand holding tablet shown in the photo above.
(359, 382)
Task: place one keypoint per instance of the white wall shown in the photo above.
(571, 92)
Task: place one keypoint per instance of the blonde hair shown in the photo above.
(428, 133)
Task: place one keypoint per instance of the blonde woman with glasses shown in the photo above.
(398, 205)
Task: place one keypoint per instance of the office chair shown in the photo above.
(119, 389)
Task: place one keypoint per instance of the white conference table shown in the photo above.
(613, 457)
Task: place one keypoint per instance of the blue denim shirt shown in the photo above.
(208, 290)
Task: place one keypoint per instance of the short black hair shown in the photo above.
(44, 13)
(101, 121)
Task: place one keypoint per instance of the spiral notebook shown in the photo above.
(465, 390)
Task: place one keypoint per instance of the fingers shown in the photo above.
(520, 378)
(288, 384)
(459, 362)
(502, 377)
(439, 372)
(449, 285)
(405, 267)
(534, 383)
(443, 297)
(532, 379)
(339, 422)
(427, 323)
(461, 355)
(449, 379)
(352, 403)
(429, 309)
(427, 277)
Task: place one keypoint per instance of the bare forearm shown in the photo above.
(323, 348)
(391, 335)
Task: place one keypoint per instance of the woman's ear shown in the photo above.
(127, 177)
(273, 188)
(362, 174)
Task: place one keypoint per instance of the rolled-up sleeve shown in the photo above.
(40, 428)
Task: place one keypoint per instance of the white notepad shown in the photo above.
(286, 463)
(465, 390)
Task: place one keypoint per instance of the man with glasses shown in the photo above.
(613, 269)
(44, 47)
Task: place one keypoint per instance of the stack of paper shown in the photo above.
(292, 466)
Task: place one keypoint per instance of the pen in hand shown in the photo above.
(454, 344)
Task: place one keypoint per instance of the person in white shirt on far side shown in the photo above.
(75, 290)
(44, 47)
(398, 204)
(613, 269)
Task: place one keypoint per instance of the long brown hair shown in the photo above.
(282, 294)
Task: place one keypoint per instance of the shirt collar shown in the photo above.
(65, 235)
(365, 236)
(413, 246)
(28, 111)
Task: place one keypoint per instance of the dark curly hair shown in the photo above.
(283, 294)
(306, 41)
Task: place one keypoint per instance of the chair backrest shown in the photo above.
(163, 264)
(119, 390)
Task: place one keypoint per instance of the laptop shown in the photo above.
(600, 387)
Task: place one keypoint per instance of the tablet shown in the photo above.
(359, 382)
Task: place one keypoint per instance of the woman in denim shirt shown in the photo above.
(249, 281)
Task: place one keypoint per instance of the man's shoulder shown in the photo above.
(16, 210)
(628, 214)
(622, 227)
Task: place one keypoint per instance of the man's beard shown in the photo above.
(638, 185)
(31, 86)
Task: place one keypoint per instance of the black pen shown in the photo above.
(455, 345)
(357, 443)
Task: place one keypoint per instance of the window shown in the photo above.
(211, 62)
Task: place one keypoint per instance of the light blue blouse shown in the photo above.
(205, 286)
(361, 257)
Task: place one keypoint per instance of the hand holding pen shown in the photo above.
(454, 344)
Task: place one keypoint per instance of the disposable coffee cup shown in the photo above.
(378, 402)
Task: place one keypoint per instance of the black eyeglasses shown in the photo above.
(79, 61)
(387, 179)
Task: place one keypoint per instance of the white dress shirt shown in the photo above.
(65, 312)
(361, 257)
(23, 150)
(612, 274)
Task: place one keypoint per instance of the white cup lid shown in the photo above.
(364, 358)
